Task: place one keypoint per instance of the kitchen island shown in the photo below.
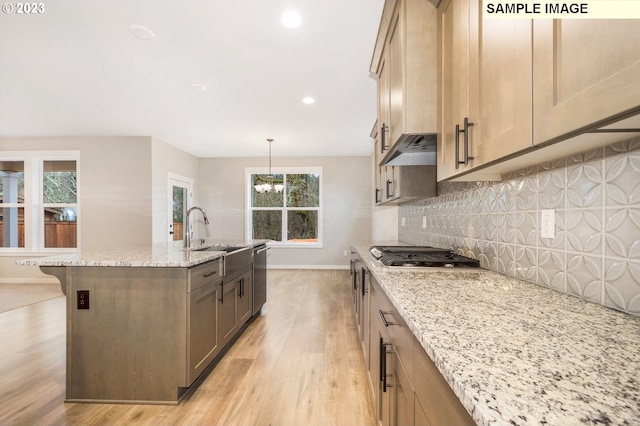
(517, 353)
(143, 324)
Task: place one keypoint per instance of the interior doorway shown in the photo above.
(180, 199)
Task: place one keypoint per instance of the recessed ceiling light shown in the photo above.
(291, 19)
(196, 87)
(308, 100)
(142, 32)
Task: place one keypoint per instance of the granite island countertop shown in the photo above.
(162, 255)
(516, 353)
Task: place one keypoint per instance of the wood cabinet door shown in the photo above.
(383, 108)
(500, 89)
(403, 395)
(453, 28)
(585, 72)
(396, 72)
(227, 308)
(244, 297)
(203, 344)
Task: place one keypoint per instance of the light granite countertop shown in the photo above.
(162, 255)
(520, 354)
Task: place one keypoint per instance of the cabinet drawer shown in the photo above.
(203, 274)
(399, 332)
(440, 404)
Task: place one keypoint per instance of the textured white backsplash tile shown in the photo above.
(595, 253)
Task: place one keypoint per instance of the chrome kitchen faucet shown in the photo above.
(187, 234)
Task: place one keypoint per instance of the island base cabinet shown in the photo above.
(129, 346)
(203, 339)
(234, 305)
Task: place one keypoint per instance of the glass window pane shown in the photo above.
(179, 210)
(59, 182)
(266, 191)
(11, 181)
(267, 225)
(12, 227)
(303, 190)
(302, 225)
(60, 227)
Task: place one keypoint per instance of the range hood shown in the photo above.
(412, 150)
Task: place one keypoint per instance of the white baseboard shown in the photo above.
(270, 266)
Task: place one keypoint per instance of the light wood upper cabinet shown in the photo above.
(397, 184)
(405, 63)
(382, 142)
(485, 98)
(501, 87)
(453, 46)
(585, 73)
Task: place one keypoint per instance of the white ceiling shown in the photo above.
(77, 69)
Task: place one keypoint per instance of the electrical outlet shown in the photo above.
(83, 299)
(403, 221)
(548, 223)
(344, 253)
(424, 222)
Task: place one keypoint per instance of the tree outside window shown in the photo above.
(59, 198)
(290, 216)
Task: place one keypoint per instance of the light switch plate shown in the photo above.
(403, 221)
(548, 223)
(424, 222)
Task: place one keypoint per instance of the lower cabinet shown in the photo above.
(361, 295)
(407, 388)
(234, 305)
(203, 343)
(434, 397)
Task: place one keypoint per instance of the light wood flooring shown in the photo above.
(299, 363)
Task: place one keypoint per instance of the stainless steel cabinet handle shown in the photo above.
(383, 144)
(457, 146)
(208, 274)
(383, 364)
(363, 275)
(467, 124)
(221, 291)
(262, 250)
(384, 319)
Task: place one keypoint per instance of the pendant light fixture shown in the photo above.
(269, 185)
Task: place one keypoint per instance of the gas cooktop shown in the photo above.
(420, 257)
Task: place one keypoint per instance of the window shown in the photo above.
(12, 203)
(38, 201)
(285, 208)
(59, 204)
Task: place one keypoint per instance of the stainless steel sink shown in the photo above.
(227, 249)
(236, 259)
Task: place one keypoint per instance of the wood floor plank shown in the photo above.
(300, 362)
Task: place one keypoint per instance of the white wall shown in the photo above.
(115, 193)
(168, 159)
(346, 205)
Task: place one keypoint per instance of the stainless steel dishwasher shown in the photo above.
(259, 277)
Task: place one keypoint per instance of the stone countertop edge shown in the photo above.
(162, 255)
(514, 352)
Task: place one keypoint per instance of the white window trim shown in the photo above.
(248, 171)
(33, 204)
